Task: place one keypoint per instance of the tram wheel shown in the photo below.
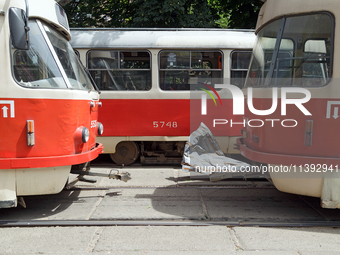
(126, 153)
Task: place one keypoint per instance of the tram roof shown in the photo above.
(50, 12)
(162, 38)
(47, 10)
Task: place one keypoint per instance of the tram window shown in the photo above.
(284, 64)
(315, 68)
(36, 67)
(179, 69)
(239, 67)
(304, 55)
(120, 70)
(26, 67)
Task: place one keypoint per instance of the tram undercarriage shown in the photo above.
(149, 152)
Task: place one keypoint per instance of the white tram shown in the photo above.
(145, 77)
(294, 60)
(48, 105)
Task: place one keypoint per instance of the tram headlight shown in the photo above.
(82, 135)
(100, 128)
(85, 135)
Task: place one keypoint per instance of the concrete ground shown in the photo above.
(167, 193)
(169, 240)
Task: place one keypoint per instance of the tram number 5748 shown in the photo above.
(164, 124)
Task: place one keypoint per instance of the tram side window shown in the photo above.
(120, 70)
(180, 69)
(239, 67)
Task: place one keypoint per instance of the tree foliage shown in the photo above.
(173, 13)
(241, 14)
(99, 13)
(162, 14)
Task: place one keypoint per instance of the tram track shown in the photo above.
(235, 223)
(232, 222)
(230, 203)
(166, 187)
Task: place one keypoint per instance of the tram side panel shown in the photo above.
(153, 103)
(146, 117)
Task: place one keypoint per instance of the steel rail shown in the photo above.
(167, 187)
(89, 223)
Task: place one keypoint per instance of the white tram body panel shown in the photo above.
(297, 46)
(48, 106)
(137, 115)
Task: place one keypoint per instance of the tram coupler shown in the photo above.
(123, 176)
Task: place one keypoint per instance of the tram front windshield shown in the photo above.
(50, 61)
(293, 51)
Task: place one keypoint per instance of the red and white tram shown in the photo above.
(145, 77)
(294, 60)
(49, 107)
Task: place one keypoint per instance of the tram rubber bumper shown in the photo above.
(65, 160)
